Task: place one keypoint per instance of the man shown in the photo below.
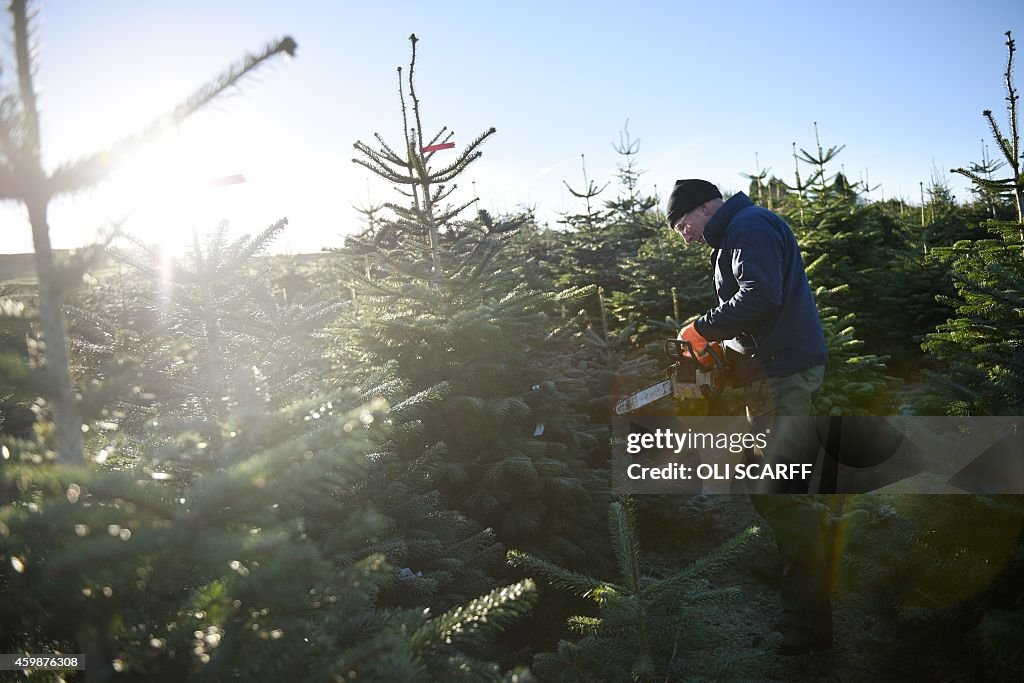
(770, 326)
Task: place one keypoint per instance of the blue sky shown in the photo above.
(704, 86)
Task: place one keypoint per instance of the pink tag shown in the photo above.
(437, 148)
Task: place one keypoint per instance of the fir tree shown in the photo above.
(1008, 143)
(864, 249)
(602, 240)
(996, 204)
(214, 305)
(980, 349)
(648, 627)
(949, 583)
(975, 539)
(243, 475)
(588, 194)
(530, 254)
(445, 558)
(615, 368)
(23, 179)
(224, 576)
(609, 366)
(852, 254)
(668, 283)
(504, 443)
(648, 275)
(855, 382)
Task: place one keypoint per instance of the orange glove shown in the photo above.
(699, 344)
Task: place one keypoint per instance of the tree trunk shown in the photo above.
(51, 320)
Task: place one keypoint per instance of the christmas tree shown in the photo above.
(980, 350)
(647, 626)
(503, 443)
(23, 179)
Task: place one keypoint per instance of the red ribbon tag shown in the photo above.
(437, 148)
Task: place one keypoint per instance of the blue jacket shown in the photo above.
(766, 307)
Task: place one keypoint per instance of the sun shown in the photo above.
(173, 188)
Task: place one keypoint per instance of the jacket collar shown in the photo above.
(714, 231)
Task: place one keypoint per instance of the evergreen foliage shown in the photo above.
(243, 505)
(23, 179)
(864, 252)
(445, 557)
(602, 240)
(944, 222)
(666, 278)
(223, 576)
(215, 307)
(529, 254)
(1008, 143)
(503, 444)
(646, 625)
(646, 275)
(949, 583)
(234, 521)
(981, 349)
(19, 380)
(848, 249)
(990, 202)
(234, 467)
(855, 382)
(610, 365)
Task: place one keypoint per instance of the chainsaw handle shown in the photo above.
(679, 349)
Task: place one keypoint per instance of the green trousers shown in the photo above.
(793, 515)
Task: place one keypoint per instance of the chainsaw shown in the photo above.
(685, 378)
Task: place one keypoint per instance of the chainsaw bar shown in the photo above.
(644, 396)
(686, 378)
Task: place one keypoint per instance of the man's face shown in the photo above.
(691, 224)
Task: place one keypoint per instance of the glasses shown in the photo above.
(679, 224)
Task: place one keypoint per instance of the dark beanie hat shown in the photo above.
(687, 195)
